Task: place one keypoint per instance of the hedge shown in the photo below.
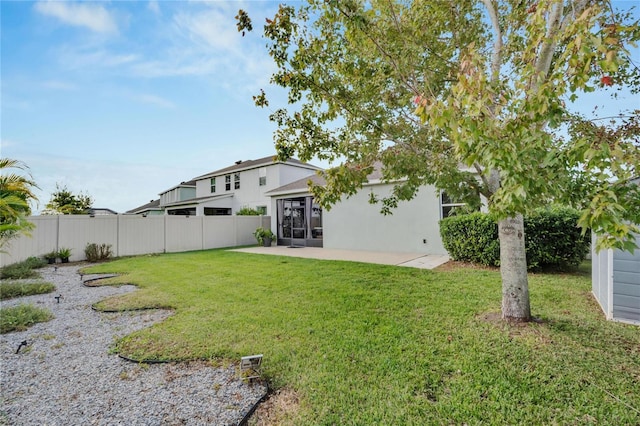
(552, 238)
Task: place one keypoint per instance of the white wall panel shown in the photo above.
(76, 231)
(43, 239)
(140, 235)
(183, 233)
(219, 231)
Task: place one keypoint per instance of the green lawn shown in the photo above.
(371, 344)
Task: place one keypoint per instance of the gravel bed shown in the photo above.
(66, 376)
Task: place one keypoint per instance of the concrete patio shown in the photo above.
(413, 260)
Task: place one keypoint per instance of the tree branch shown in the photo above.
(496, 57)
(549, 45)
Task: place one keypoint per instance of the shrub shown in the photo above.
(552, 238)
(35, 262)
(21, 270)
(247, 211)
(51, 256)
(471, 238)
(22, 317)
(64, 253)
(97, 252)
(262, 233)
(10, 289)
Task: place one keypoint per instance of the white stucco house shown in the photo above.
(225, 191)
(280, 190)
(355, 224)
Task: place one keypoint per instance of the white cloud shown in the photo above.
(73, 57)
(154, 7)
(92, 16)
(6, 143)
(153, 100)
(59, 85)
(213, 28)
(204, 41)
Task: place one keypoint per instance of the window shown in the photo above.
(213, 185)
(448, 206)
(262, 210)
(262, 173)
(227, 183)
(236, 181)
(216, 211)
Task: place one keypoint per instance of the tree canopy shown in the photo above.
(474, 97)
(16, 191)
(63, 201)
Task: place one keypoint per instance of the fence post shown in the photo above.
(164, 234)
(58, 232)
(118, 235)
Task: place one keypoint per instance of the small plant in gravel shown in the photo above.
(24, 269)
(11, 289)
(21, 317)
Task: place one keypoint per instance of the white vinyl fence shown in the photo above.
(132, 234)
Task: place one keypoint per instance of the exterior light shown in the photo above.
(250, 366)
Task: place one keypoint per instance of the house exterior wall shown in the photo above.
(354, 224)
(288, 174)
(251, 194)
(203, 187)
(177, 194)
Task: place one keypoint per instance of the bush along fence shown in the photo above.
(129, 235)
(552, 238)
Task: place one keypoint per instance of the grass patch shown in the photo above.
(22, 270)
(11, 289)
(21, 317)
(374, 344)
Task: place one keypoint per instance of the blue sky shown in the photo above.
(124, 99)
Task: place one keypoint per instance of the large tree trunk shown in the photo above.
(513, 268)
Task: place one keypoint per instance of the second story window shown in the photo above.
(213, 185)
(227, 183)
(262, 176)
(236, 181)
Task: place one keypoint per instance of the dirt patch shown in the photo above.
(277, 409)
(454, 265)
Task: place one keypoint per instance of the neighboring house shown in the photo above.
(150, 209)
(225, 191)
(171, 200)
(355, 224)
(615, 281)
(98, 211)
